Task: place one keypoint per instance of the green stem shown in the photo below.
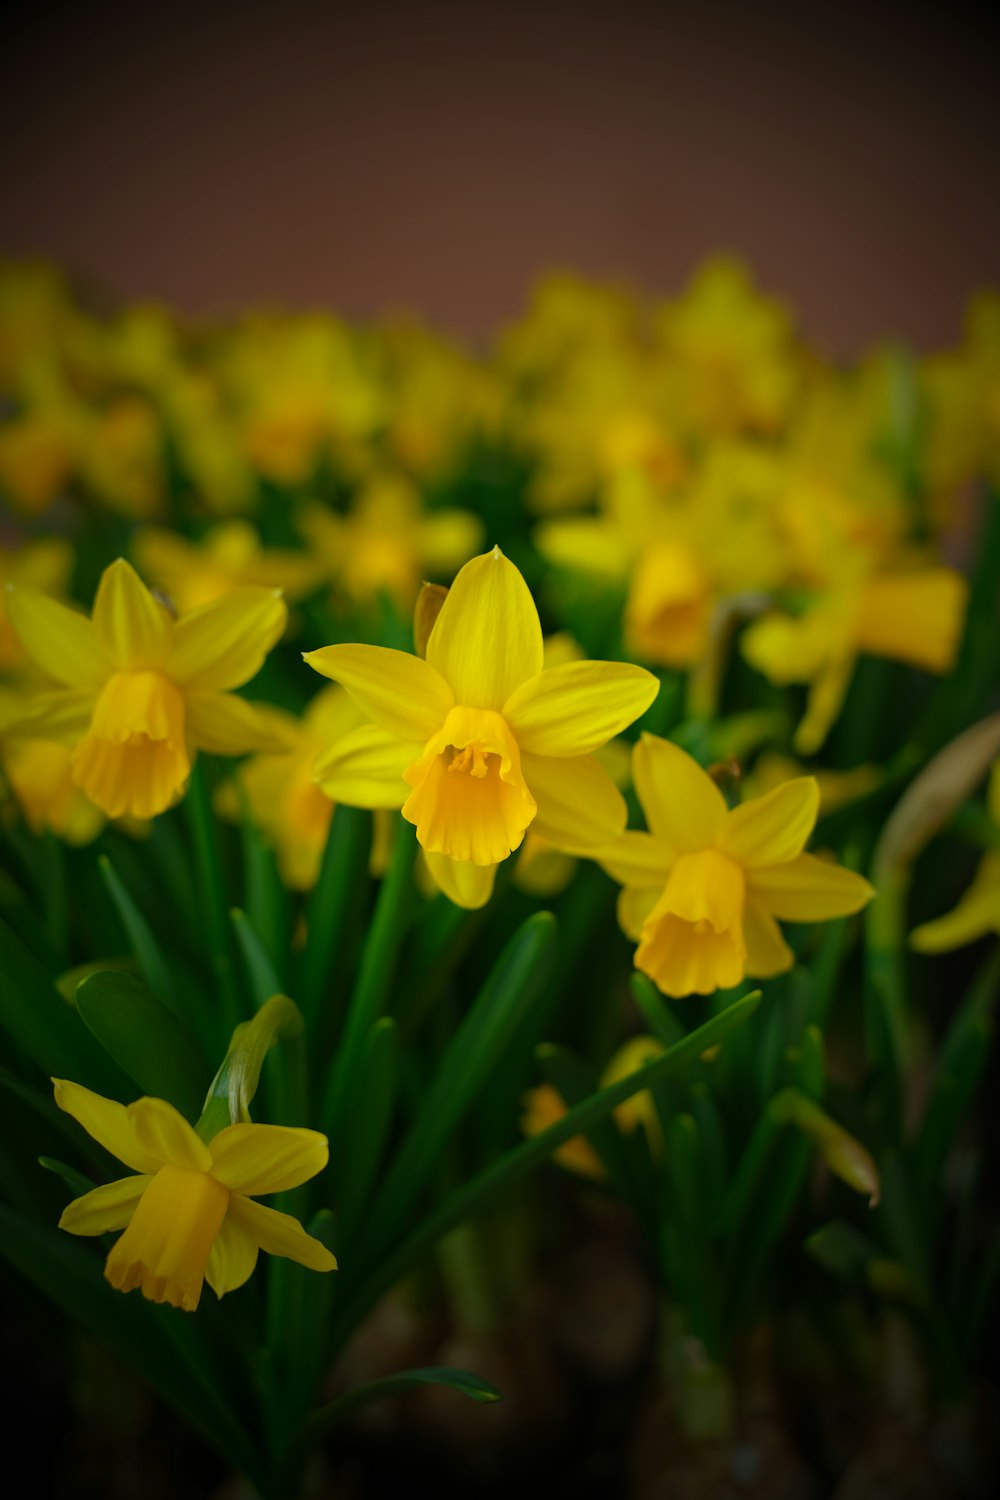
(208, 872)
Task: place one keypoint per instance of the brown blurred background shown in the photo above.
(438, 156)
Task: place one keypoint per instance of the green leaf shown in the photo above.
(461, 1381)
(264, 981)
(144, 1038)
(842, 1251)
(661, 1022)
(512, 986)
(154, 966)
(41, 1022)
(500, 1175)
(332, 908)
(378, 1080)
(77, 1183)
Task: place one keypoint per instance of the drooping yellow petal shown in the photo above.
(807, 889)
(487, 639)
(914, 617)
(166, 1135)
(106, 1208)
(767, 952)
(223, 644)
(365, 768)
(469, 799)
(165, 1249)
(586, 544)
(400, 692)
(134, 758)
(637, 859)
(262, 1159)
(133, 627)
(109, 1123)
(824, 701)
(280, 1234)
(224, 724)
(682, 803)
(467, 885)
(773, 829)
(232, 1258)
(61, 641)
(579, 806)
(576, 708)
(976, 914)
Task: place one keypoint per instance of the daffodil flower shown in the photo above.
(477, 743)
(228, 557)
(703, 888)
(913, 617)
(978, 912)
(141, 692)
(189, 1214)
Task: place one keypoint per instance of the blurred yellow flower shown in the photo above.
(914, 617)
(387, 542)
(703, 887)
(138, 692)
(45, 563)
(189, 1214)
(227, 557)
(477, 743)
(280, 788)
(40, 779)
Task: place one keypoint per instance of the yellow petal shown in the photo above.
(365, 768)
(682, 803)
(634, 905)
(232, 1258)
(61, 716)
(636, 859)
(447, 537)
(976, 914)
(134, 629)
(808, 889)
(167, 1136)
(109, 1123)
(585, 544)
(773, 829)
(579, 806)
(914, 617)
(134, 758)
(767, 952)
(400, 692)
(106, 1208)
(487, 639)
(261, 1159)
(221, 645)
(467, 885)
(823, 703)
(61, 641)
(224, 724)
(280, 1234)
(576, 708)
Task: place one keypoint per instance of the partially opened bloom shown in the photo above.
(189, 1214)
(544, 1106)
(704, 887)
(140, 692)
(477, 742)
(978, 912)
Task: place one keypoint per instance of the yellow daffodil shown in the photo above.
(703, 887)
(978, 912)
(476, 742)
(914, 617)
(228, 557)
(544, 1106)
(387, 542)
(284, 801)
(189, 1214)
(140, 692)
